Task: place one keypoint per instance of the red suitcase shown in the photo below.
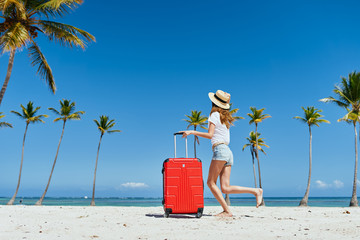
(183, 185)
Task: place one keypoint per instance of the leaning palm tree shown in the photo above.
(66, 113)
(348, 94)
(4, 124)
(311, 117)
(104, 126)
(29, 115)
(257, 117)
(195, 119)
(24, 19)
(252, 145)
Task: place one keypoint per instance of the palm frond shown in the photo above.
(18, 114)
(15, 5)
(56, 8)
(15, 37)
(5, 124)
(65, 34)
(97, 123)
(113, 131)
(44, 70)
(75, 116)
(58, 119)
(54, 111)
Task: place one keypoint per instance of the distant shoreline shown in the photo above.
(155, 202)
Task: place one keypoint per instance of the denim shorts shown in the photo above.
(222, 152)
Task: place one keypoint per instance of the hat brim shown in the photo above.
(225, 106)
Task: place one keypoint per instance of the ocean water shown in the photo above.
(155, 202)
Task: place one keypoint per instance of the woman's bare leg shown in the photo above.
(228, 189)
(214, 171)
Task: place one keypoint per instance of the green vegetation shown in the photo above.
(348, 97)
(104, 126)
(255, 142)
(29, 115)
(311, 117)
(4, 124)
(66, 113)
(256, 117)
(195, 120)
(24, 19)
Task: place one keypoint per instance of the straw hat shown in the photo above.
(220, 99)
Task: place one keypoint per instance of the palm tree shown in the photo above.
(4, 124)
(24, 19)
(28, 114)
(195, 119)
(257, 117)
(348, 93)
(66, 113)
(311, 117)
(104, 126)
(252, 144)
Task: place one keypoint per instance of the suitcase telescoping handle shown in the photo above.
(186, 148)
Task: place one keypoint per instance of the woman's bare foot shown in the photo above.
(224, 214)
(259, 197)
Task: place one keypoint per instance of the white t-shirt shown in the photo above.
(221, 133)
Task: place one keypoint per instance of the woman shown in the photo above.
(220, 121)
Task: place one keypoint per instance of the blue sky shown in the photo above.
(154, 62)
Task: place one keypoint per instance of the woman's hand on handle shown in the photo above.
(186, 133)
(208, 135)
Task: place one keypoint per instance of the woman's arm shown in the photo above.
(208, 135)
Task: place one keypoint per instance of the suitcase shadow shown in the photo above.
(178, 216)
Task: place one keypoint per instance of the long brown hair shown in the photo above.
(225, 115)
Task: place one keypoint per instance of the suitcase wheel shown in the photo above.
(167, 212)
(199, 212)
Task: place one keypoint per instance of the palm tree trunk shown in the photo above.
(11, 202)
(8, 74)
(304, 201)
(227, 199)
(97, 157)
(253, 161)
(39, 202)
(257, 157)
(195, 142)
(354, 201)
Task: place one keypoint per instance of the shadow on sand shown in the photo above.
(179, 216)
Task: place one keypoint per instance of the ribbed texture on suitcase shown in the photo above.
(183, 185)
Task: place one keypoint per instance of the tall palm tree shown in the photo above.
(195, 119)
(311, 117)
(256, 117)
(29, 115)
(252, 145)
(66, 113)
(348, 94)
(4, 124)
(104, 126)
(24, 19)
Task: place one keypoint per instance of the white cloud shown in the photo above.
(134, 185)
(321, 184)
(338, 184)
(358, 183)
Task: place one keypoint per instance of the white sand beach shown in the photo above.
(55, 222)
